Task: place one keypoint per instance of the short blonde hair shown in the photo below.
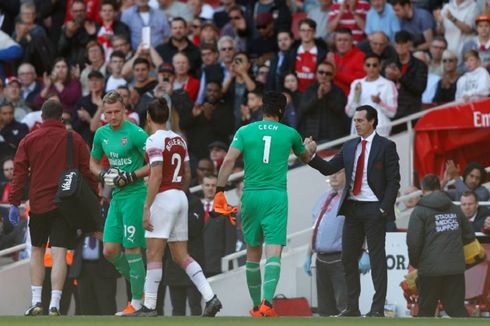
(113, 97)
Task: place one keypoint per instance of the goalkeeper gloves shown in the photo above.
(221, 205)
(124, 178)
(115, 177)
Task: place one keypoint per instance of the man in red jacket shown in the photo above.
(348, 60)
(41, 156)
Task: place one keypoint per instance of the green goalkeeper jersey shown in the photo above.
(266, 146)
(124, 148)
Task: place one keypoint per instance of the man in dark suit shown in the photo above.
(479, 216)
(275, 78)
(372, 181)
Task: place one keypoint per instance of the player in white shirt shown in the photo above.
(165, 212)
(376, 91)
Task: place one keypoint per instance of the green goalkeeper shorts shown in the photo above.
(265, 217)
(124, 222)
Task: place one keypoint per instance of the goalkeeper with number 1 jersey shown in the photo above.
(124, 145)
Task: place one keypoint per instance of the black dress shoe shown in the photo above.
(375, 314)
(349, 313)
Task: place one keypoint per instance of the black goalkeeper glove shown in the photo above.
(125, 178)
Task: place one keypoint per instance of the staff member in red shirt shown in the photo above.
(41, 156)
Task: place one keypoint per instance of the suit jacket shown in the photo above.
(481, 214)
(219, 241)
(383, 171)
(105, 269)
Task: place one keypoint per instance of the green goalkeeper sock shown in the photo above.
(271, 277)
(137, 275)
(254, 281)
(121, 264)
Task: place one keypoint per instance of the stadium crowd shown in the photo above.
(212, 62)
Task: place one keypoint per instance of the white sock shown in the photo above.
(194, 271)
(153, 277)
(136, 304)
(55, 299)
(36, 294)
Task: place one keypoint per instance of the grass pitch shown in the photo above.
(235, 321)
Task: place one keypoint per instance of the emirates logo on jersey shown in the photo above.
(124, 141)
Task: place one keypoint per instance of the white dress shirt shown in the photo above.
(366, 193)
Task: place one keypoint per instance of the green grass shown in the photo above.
(199, 321)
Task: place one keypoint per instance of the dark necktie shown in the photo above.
(359, 170)
(320, 217)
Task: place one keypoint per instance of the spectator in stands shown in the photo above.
(291, 85)
(303, 58)
(261, 75)
(183, 79)
(217, 153)
(481, 42)
(142, 80)
(416, 21)
(210, 70)
(209, 33)
(349, 14)
(239, 28)
(238, 82)
(381, 18)
(122, 43)
(219, 232)
(9, 51)
(47, 145)
(96, 62)
(446, 87)
(6, 183)
(200, 9)
(30, 86)
(432, 79)
(322, 110)
(479, 216)
(141, 15)
(376, 91)
(348, 60)
(174, 8)
(251, 111)
(109, 27)
(226, 48)
(436, 234)
(262, 47)
(87, 106)
(211, 121)
(12, 95)
(436, 49)
(204, 167)
(290, 117)
(379, 44)
(474, 176)
(409, 74)
(115, 79)
(61, 83)
(76, 34)
(326, 242)
(320, 15)
(179, 42)
(475, 82)
(148, 54)
(11, 130)
(195, 31)
(279, 10)
(456, 21)
(220, 16)
(28, 17)
(276, 68)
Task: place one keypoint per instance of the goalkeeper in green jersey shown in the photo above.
(265, 146)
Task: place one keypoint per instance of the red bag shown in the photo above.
(291, 306)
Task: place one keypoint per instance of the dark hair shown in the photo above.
(403, 37)
(470, 193)
(5, 103)
(178, 19)
(328, 63)
(371, 56)
(308, 21)
(291, 35)
(78, 1)
(141, 60)
(274, 104)
(68, 72)
(158, 110)
(431, 182)
(209, 46)
(118, 54)
(440, 38)
(236, 8)
(371, 113)
(51, 109)
(401, 2)
(343, 30)
(110, 2)
(475, 166)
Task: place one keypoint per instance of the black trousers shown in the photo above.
(330, 284)
(364, 220)
(450, 289)
(97, 294)
(179, 296)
